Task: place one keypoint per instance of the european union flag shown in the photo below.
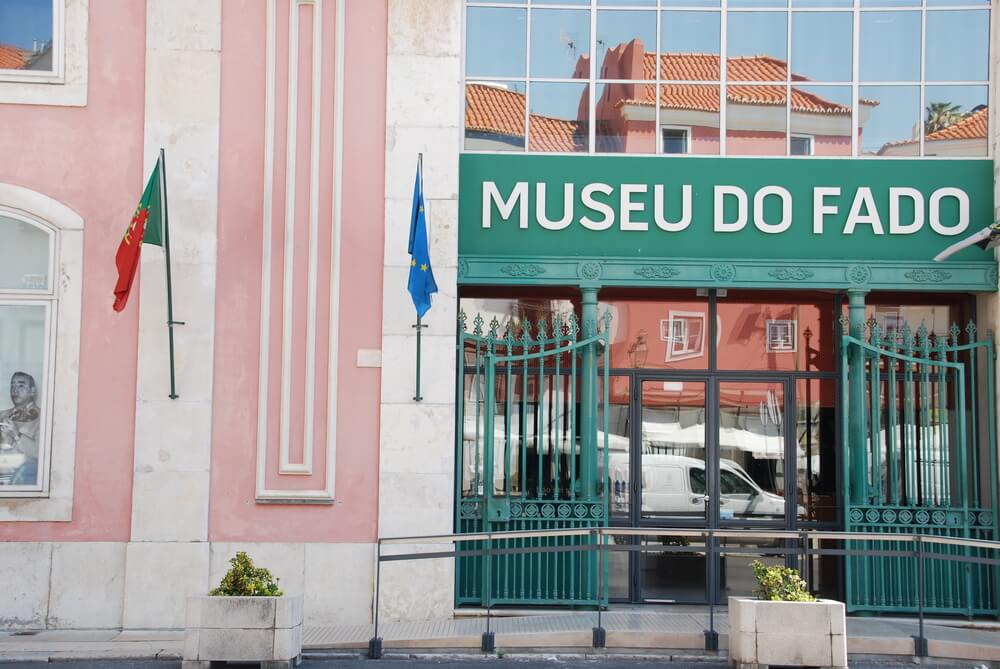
(421, 283)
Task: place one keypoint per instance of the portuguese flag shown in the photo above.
(146, 227)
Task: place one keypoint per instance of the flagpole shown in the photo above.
(170, 293)
(419, 325)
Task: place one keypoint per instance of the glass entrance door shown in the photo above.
(671, 478)
(706, 452)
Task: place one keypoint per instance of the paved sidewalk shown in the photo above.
(107, 644)
(658, 632)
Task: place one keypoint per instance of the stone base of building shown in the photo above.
(145, 585)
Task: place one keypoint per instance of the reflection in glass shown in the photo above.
(816, 449)
(890, 120)
(890, 46)
(821, 45)
(22, 356)
(689, 119)
(958, 46)
(625, 118)
(689, 46)
(821, 121)
(619, 475)
(758, 3)
(619, 577)
(622, 38)
(758, 46)
(560, 43)
(890, 3)
(737, 574)
(26, 35)
(758, 332)
(495, 42)
(670, 576)
(673, 449)
(956, 120)
(494, 116)
(751, 450)
(756, 120)
(559, 117)
(689, 3)
(822, 3)
(656, 334)
(628, 3)
(24, 256)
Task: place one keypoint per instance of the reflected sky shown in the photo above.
(822, 45)
(889, 51)
(559, 38)
(621, 27)
(23, 21)
(497, 42)
(758, 33)
(957, 46)
(690, 32)
(895, 117)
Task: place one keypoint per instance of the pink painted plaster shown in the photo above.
(91, 159)
(234, 515)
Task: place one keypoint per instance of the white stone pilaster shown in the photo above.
(416, 478)
(168, 556)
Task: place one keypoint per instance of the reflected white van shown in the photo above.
(675, 485)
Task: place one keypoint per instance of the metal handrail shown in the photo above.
(805, 541)
(690, 532)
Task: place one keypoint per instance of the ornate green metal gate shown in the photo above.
(529, 452)
(920, 428)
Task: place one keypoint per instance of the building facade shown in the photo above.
(684, 252)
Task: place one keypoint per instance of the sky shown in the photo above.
(22, 21)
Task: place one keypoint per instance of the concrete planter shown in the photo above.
(243, 629)
(811, 634)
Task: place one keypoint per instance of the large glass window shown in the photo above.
(26, 307)
(878, 78)
(27, 36)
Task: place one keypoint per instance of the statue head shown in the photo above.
(23, 390)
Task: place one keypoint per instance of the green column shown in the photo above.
(856, 400)
(588, 397)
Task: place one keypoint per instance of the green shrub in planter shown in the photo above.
(245, 580)
(780, 584)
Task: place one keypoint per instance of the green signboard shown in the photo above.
(656, 207)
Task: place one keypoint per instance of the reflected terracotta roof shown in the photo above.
(704, 97)
(705, 67)
(498, 111)
(12, 58)
(973, 126)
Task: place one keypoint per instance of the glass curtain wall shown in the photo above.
(834, 78)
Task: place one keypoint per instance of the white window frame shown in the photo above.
(792, 329)
(810, 138)
(66, 84)
(52, 498)
(687, 139)
(679, 320)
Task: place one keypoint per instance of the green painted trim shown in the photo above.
(973, 276)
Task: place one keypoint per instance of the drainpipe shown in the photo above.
(857, 441)
(588, 397)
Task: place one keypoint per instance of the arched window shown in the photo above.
(41, 263)
(28, 308)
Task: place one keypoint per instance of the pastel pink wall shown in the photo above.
(91, 160)
(234, 514)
